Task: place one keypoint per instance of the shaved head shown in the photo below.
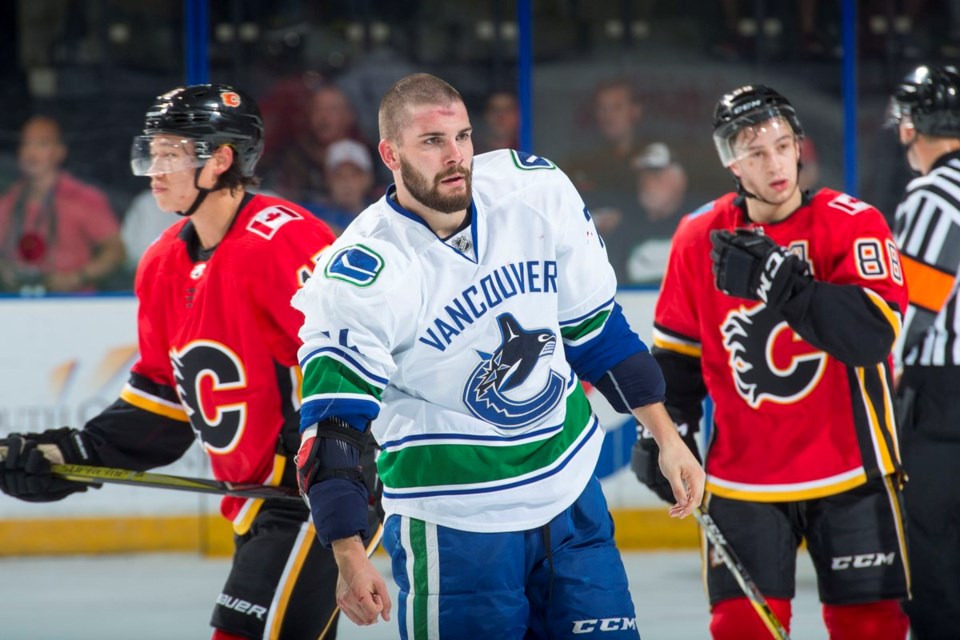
(414, 90)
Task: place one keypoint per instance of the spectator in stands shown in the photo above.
(606, 172)
(297, 171)
(56, 233)
(350, 171)
(501, 119)
(661, 186)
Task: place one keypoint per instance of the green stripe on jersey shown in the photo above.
(421, 582)
(432, 465)
(586, 327)
(327, 375)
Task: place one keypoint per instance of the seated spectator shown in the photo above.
(297, 171)
(605, 172)
(661, 186)
(350, 172)
(56, 233)
(501, 120)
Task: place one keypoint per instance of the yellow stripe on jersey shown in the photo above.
(244, 518)
(153, 404)
(928, 287)
(670, 343)
(892, 317)
(786, 492)
(876, 427)
(895, 506)
(291, 573)
(889, 418)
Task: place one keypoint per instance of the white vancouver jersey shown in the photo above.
(456, 349)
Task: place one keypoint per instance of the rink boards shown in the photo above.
(65, 359)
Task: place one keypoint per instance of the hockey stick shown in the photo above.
(92, 475)
(749, 587)
(95, 475)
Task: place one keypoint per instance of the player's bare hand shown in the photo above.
(686, 477)
(361, 591)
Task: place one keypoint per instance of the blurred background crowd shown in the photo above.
(621, 98)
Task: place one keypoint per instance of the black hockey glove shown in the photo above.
(748, 264)
(645, 460)
(25, 471)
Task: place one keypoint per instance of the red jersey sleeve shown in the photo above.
(864, 252)
(293, 254)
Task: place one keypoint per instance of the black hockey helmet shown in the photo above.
(746, 106)
(930, 97)
(209, 115)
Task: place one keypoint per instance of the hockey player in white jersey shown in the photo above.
(455, 318)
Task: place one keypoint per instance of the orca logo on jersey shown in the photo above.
(355, 264)
(506, 370)
(529, 162)
(768, 360)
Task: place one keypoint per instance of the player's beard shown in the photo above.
(429, 194)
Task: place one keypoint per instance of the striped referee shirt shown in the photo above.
(927, 230)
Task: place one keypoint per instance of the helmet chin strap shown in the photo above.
(741, 190)
(202, 194)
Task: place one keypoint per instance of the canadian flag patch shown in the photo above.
(267, 222)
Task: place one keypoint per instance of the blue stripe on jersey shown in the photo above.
(351, 360)
(615, 343)
(354, 411)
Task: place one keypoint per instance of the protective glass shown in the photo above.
(157, 155)
(756, 140)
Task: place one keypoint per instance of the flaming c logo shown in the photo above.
(768, 360)
(230, 98)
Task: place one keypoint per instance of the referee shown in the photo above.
(926, 109)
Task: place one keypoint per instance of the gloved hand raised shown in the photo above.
(748, 264)
(25, 469)
(645, 460)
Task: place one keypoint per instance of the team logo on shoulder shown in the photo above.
(355, 264)
(529, 162)
(267, 222)
(503, 389)
(768, 360)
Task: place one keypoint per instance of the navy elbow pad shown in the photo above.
(634, 382)
(339, 509)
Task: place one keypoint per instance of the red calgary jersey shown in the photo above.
(217, 326)
(792, 421)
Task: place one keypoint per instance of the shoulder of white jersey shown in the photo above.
(506, 170)
(370, 259)
(500, 175)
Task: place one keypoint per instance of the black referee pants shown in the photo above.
(929, 410)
